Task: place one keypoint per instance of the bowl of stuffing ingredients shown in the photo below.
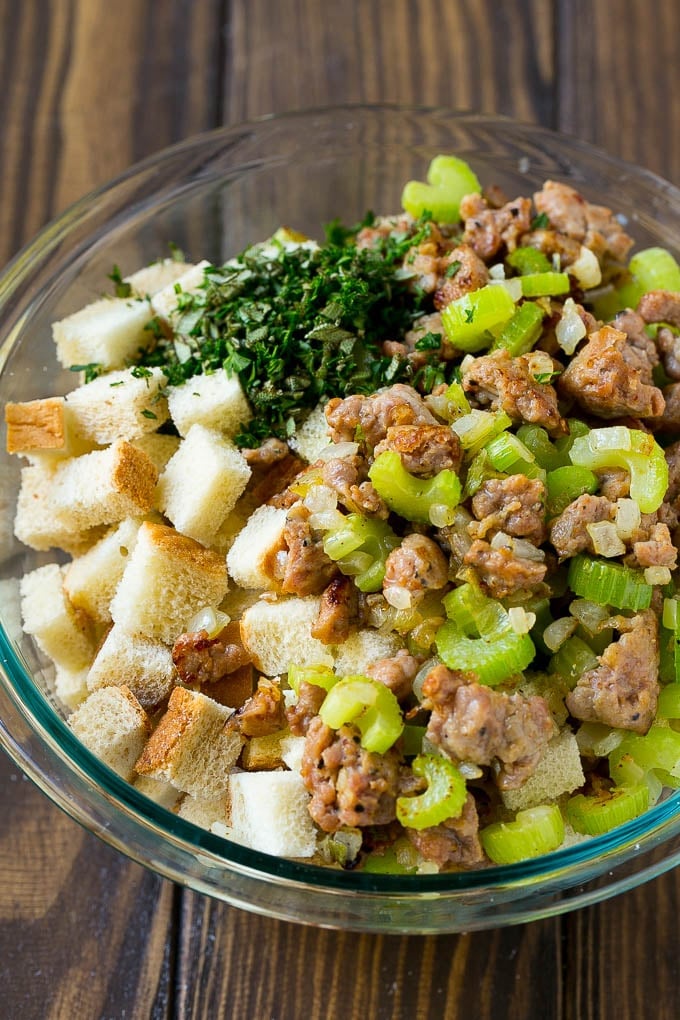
(339, 532)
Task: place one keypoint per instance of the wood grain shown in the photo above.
(86, 88)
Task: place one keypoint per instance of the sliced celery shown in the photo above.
(632, 449)
(479, 471)
(657, 749)
(545, 284)
(412, 739)
(370, 706)
(476, 429)
(509, 454)
(498, 653)
(359, 534)
(449, 179)
(455, 395)
(410, 497)
(565, 484)
(609, 583)
(444, 797)
(468, 319)
(520, 334)
(598, 813)
(546, 453)
(464, 605)
(650, 269)
(535, 831)
(572, 659)
(387, 862)
(320, 675)
(528, 261)
(669, 702)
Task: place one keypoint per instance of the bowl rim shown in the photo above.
(658, 823)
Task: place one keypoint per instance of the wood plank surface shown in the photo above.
(86, 88)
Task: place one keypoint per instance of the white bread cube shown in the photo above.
(164, 302)
(10, 600)
(269, 812)
(105, 486)
(363, 648)
(190, 747)
(114, 726)
(150, 279)
(168, 578)
(118, 405)
(91, 580)
(292, 750)
(215, 400)
(70, 686)
(38, 523)
(36, 425)
(558, 771)
(62, 632)
(201, 483)
(204, 812)
(157, 790)
(108, 333)
(310, 438)
(251, 560)
(279, 634)
(158, 447)
(142, 664)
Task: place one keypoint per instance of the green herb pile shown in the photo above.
(297, 324)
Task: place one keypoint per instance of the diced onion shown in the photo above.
(441, 516)
(557, 632)
(326, 520)
(321, 497)
(517, 546)
(586, 269)
(208, 619)
(426, 668)
(398, 597)
(513, 286)
(467, 363)
(571, 328)
(520, 620)
(597, 739)
(340, 450)
(540, 363)
(628, 517)
(657, 575)
(606, 541)
(469, 770)
(497, 271)
(589, 614)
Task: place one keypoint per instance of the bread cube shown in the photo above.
(62, 632)
(142, 664)
(167, 580)
(91, 580)
(157, 790)
(108, 333)
(216, 401)
(158, 447)
(310, 438)
(114, 726)
(36, 425)
(363, 648)
(263, 754)
(118, 405)
(38, 523)
(190, 747)
(165, 301)
(558, 771)
(278, 634)
(201, 483)
(268, 812)
(204, 812)
(251, 560)
(150, 279)
(70, 685)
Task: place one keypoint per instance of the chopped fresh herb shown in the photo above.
(121, 288)
(469, 314)
(338, 234)
(540, 222)
(90, 371)
(141, 372)
(121, 382)
(149, 414)
(176, 254)
(452, 268)
(546, 377)
(429, 342)
(154, 326)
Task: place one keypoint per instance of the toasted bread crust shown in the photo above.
(183, 710)
(36, 425)
(134, 475)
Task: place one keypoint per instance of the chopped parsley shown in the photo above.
(120, 288)
(429, 342)
(452, 268)
(540, 222)
(90, 371)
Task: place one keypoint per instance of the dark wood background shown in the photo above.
(86, 88)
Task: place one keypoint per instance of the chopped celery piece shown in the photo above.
(468, 319)
(565, 484)
(669, 702)
(519, 335)
(632, 449)
(528, 260)
(509, 454)
(669, 654)
(320, 675)
(496, 654)
(455, 395)
(609, 584)
(370, 706)
(359, 534)
(387, 862)
(535, 831)
(650, 269)
(476, 429)
(463, 605)
(479, 471)
(449, 179)
(572, 659)
(444, 797)
(545, 284)
(592, 815)
(546, 453)
(410, 497)
(657, 749)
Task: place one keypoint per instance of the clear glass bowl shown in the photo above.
(212, 195)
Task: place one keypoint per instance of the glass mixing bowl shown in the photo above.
(212, 195)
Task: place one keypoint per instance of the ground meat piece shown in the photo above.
(460, 272)
(593, 225)
(550, 242)
(568, 532)
(454, 842)
(418, 565)
(672, 454)
(338, 612)
(668, 344)
(487, 230)
(263, 712)
(271, 451)
(374, 414)
(308, 570)
(515, 505)
(640, 352)
(423, 325)
(670, 418)
(614, 483)
(622, 691)
(348, 476)
(660, 306)
(472, 722)
(508, 384)
(601, 379)
(397, 672)
(500, 573)
(655, 550)
(349, 785)
(605, 234)
(200, 659)
(425, 450)
(306, 708)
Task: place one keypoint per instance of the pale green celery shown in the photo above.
(636, 451)
(449, 179)
(476, 429)
(368, 705)
(469, 319)
(410, 497)
(535, 831)
(444, 797)
(598, 813)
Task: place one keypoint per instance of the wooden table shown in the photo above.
(87, 88)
